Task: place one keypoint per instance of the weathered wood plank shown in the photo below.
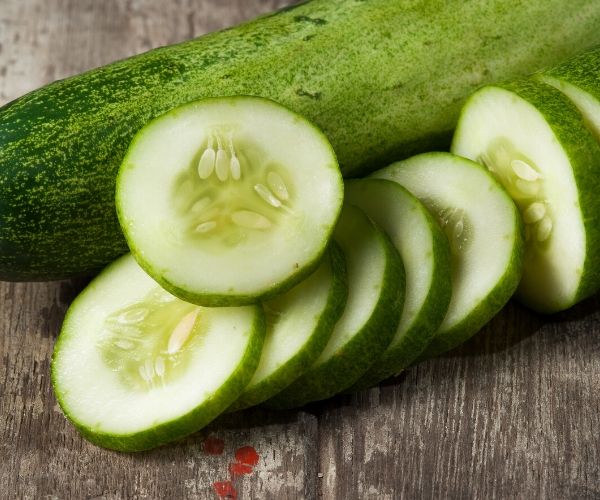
(514, 413)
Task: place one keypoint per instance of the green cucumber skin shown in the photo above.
(296, 366)
(582, 71)
(584, 154)
(183, 426)
(61, 146)
(343, 369)
(416, 339)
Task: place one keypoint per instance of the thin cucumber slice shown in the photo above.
(579, 80)
(426, 257)
(533, 139)
(210, 192)
(299, 325)
(134, 367)
(370, 317)
(484, 230)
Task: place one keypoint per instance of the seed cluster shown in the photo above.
(144, 342)
(216, 170)
(524, 183)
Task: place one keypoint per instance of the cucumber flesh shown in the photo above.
(299, 325)
(134, 367)
(209, 192)
(484, 231)
(425, 254)
(534, 141)
(370, 317)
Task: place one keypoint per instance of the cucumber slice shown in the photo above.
(535, 142)
(426, 256)
(484, 230)
(135, 367)
(370, 317)
(579, 80)
(299, 325)
(209, 192)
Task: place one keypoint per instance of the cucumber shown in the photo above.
(61, 146)
(211, 191)
(299, 325)
(579, 80)
(370, 318)
(425, 254)
(484, 229)
(135, 367)
(536, 143)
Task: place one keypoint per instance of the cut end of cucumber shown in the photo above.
(515, 141)
(209, 192)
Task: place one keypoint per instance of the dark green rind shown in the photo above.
(581, 71)
(303, 359)
(497, 298)
(350, 362)
(583, 152)
(414, 341)
(209, 298)
(60, 146)
(187, 424)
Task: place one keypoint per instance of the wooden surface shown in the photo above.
(515, 413)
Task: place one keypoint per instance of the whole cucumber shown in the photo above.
(382, 78)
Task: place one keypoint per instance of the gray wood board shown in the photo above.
(514, 413)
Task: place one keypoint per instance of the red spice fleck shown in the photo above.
(239, 469)
(213, 446)
(225, 489)
(246, 455)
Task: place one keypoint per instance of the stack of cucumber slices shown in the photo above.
(257, 277)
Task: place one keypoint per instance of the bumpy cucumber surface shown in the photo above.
(299, 325)
(134, 367)
(533, 139)
(61, 146)
(579, 80)
(227, 201)
(425, 254)
(483, 227)
(370, 317)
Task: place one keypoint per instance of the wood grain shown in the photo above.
(514, 413)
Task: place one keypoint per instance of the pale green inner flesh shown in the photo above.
(231, 192)
(291, 321)
(524, 182)
(403, 218)
(149, 342)
(131, 356)
(512, 138)
(366, 256)
(477, 216)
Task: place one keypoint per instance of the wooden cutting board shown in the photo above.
(514, 413)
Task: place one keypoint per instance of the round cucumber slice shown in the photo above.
(299, 325)
(484, 231)
(425, 254)
(534, 141)
(134, 367)
(579, 80)
(210, 192)
(370, 317)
